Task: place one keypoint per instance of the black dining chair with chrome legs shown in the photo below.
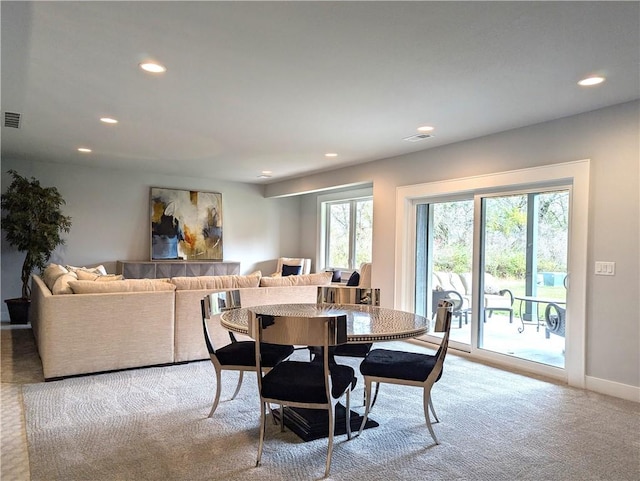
(238, 355)
(409, 368)
(316, 384)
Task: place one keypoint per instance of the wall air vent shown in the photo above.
(12, 120)
(418, 137)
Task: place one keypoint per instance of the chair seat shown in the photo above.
(352, 350)
(244, 354)
(410, 366)
(297, 381)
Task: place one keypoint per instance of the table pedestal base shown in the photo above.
(311, 424)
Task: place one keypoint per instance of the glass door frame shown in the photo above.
(576, 175)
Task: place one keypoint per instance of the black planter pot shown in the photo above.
(18, 310)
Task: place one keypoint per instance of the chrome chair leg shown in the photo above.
(332, 422)
(367, 390)
(433, 411)
(375, 395)
(216, 400)
(348, 413)
(426, 401)
(282, 418)
(235, 393)
(263, 422)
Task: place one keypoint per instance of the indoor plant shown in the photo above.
(33, 223)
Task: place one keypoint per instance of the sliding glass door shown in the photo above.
(524, 264)
(508, 282)
(444, 254)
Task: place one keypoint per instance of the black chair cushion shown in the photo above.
(410, 366)
(352, 350)
(244, 354)
(298, 381)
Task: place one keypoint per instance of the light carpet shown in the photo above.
(150, 424)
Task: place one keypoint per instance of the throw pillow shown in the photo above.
(291, 270)
(96, 270)
(318, 279)
(354, 279)
(51, 274)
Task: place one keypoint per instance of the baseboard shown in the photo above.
(612, 388)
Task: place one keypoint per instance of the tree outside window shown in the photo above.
(349, 229)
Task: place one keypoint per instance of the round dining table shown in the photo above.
(365, 323)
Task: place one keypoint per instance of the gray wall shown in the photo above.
(110, 216)
(609, 137)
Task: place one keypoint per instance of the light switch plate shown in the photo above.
(605, 268)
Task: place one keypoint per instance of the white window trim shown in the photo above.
(575, 173)
(321, 216)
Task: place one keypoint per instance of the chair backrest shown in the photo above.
(348, 295)
(442, 324)
(305, 331)
(213, 304)
(365, 275)
(305, 264)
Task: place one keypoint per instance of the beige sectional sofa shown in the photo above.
(112, 325)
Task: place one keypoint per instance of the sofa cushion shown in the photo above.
(216, 282)
(90, 276)
(490, 284)
(318, 279)
(52, 273)
(128, 285)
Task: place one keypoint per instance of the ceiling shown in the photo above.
(253, 86)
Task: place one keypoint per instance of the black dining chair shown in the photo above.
(409, 368)
(316, 384)
(238, 355)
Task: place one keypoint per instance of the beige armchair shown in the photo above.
(289, 264)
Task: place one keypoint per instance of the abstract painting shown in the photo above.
(186, 224)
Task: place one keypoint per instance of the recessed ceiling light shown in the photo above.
(594, 80)
(108, 120)
(83, 149)
(330, 154)
(265, 174)
(153, 67)
(425, 128)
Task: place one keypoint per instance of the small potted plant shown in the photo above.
(33, 224)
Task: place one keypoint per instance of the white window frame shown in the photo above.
(323, 245)
(575, 174)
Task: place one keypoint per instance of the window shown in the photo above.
(348, 231)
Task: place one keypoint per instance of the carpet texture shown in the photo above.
(150, 424)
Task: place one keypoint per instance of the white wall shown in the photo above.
(610, 138)
(110, 219)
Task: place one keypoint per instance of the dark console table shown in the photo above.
(162, 269)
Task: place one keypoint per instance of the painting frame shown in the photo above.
(185, 224)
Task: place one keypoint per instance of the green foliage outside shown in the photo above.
(505, 234)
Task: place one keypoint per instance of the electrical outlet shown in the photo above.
(605, 268)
